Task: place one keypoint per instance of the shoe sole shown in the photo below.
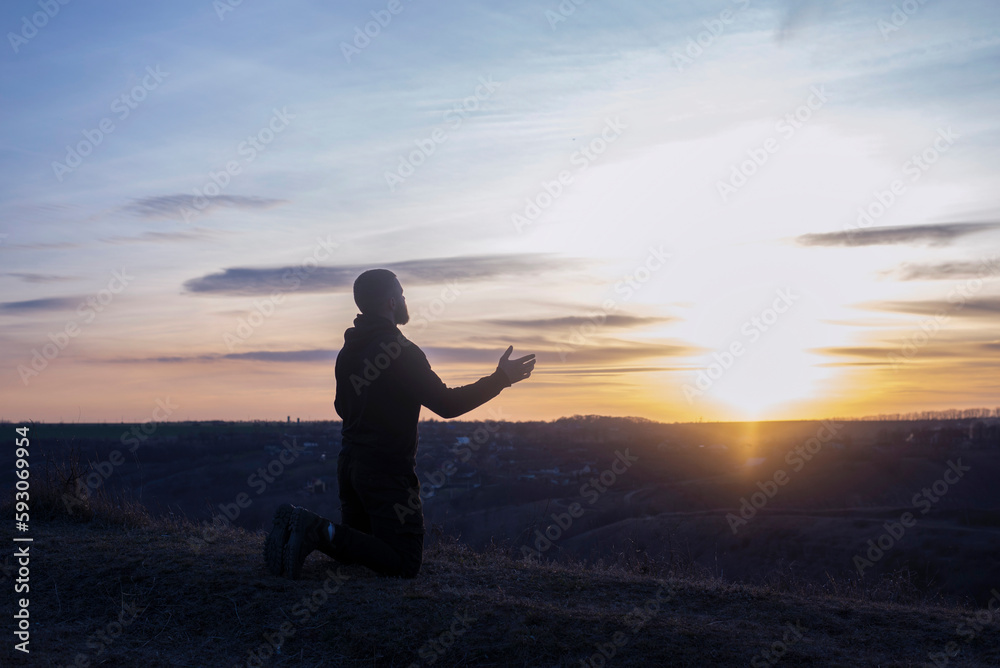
(299, 525)
(274, 546)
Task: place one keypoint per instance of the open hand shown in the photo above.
(518, 369)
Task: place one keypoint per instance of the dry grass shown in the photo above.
(112, 586)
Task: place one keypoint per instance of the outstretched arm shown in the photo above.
(448, 402)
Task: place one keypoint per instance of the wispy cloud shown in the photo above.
(945, 270)
(883, 353)
(49, 245)
(46, 304)
(313, 355)
(571, 321)
(162, 237)
(987, 307)
(600, 352)
(935, 235)
(623, 352)
(799, 14)
(173, 206)
(243, 281)
(39, 278)
(955, 349)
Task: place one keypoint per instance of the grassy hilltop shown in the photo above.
(112, 586)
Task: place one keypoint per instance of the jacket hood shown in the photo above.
(368, 326)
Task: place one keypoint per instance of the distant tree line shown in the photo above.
(948, 414)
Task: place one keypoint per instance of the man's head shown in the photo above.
(378, 292)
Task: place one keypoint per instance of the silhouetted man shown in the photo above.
(382, 381)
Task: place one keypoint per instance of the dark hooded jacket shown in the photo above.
(383, 379)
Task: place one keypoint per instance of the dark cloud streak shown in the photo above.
(45, 304)
(947, 270)
(40, 278)
(172, 206)
(251, 281)
(935, 235)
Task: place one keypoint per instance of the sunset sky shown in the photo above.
(718, 210)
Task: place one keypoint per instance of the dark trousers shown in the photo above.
(382, 521)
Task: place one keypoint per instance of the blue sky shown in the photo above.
(621, 189)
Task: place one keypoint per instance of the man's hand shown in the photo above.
(518, 369)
